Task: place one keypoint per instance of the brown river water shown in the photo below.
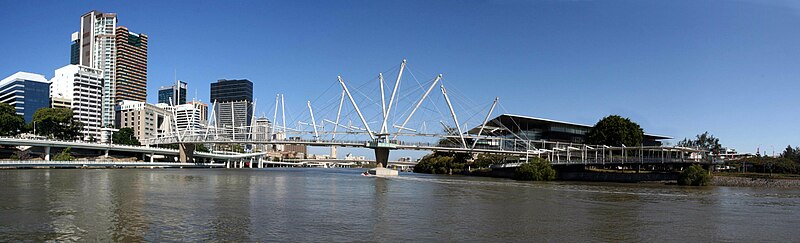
(302, 205)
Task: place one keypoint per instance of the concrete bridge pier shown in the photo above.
(381, 157)
(47, 153)
(381, 162)
(186, 152)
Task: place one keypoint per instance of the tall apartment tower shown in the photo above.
(131, 66)
(234, 102)
(98, 50)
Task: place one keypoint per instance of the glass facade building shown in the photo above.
(234, 102)
(232, 90)
(166, 94)
(26, 92)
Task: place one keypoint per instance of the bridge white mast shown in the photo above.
(283, 113)
(313, 122)
(453, 114)
(338, 114)
(483, 125)
(383, 95)
(403, 126)
(274, 118)
(366, 125)
(391, 100)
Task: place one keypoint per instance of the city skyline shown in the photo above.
(677, 71)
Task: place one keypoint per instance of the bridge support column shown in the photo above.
(47, 153)
(186, 152)
(381, 157)
(251, 163)
(151, 157)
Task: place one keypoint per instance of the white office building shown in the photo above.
(81, 87)
(188, 118)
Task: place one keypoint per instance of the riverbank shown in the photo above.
(735, 180)
(754, 182)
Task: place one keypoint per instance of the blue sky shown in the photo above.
(678, 68)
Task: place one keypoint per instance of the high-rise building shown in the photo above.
(225, 90)
(187, 118)
(81, 87)
(131, 66)
(121, 55)
(26, 92)
(203, 108)
(98, 50)
(166, 94)
(233, 102)
(146, 120)
(261, 132)
(75, 49)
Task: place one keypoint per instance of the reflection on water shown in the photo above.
(341, 205)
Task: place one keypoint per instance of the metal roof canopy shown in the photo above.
(494, 122)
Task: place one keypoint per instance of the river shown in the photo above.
(301, 205)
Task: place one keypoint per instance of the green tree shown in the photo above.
(695, 175)
(704, 141)
(441, 163)
(791, 153)
(10, 123)
(125, 137)
(615, 130)
(56, 123)
(537, 169)
(201, 148)
(65, 155)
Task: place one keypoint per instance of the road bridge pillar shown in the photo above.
(151, 157)
(186, 152)
(47, 153)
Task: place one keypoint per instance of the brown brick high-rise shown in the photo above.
(131, 68)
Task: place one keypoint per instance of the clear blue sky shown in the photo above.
(677, 68)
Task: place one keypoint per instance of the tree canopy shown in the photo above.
(791, 153)
(56, 123)
(10, 123)
(615, 130)
(704, 141)
(125, 136)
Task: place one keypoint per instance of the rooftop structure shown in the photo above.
(534, 128)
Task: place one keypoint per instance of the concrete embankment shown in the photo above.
(754, 182)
